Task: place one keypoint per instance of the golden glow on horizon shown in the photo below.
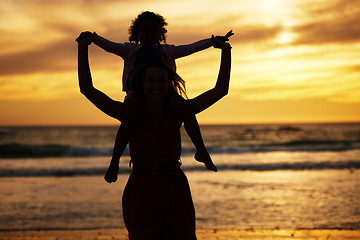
(292, 61)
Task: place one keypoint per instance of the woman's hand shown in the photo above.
(112, 173)
(221, 41)
(86, 37)
(217, 43)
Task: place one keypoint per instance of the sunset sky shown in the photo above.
(293, 60)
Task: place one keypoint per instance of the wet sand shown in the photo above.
(121, 234)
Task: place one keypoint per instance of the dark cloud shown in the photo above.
(115, 31)
(343, 30)
(56, 57)
(331, 7)
(333, 23)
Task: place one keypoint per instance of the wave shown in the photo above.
(56, 150)
(298, 166)
(51, 150)
(56, 172)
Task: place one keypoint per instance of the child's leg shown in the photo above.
(193, 130)
(132, 113)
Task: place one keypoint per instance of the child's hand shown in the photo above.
(87, 37)
(226, 37)
(217, 43)
(112, 173)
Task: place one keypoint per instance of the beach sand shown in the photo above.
(121, 234)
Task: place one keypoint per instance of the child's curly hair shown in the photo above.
(135, 26)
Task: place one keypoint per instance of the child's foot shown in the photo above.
(205, 158)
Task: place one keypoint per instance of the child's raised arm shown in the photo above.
(185, 50)
(109, 46)
(119, 49)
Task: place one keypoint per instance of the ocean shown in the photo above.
(271, 176)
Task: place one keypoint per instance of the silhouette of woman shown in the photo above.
(157, 202)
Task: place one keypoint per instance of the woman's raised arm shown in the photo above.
(208, 98)
(98, 98)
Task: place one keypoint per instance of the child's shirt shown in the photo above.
(135, 55)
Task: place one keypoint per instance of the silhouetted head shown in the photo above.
(148, 28)
(160, 74)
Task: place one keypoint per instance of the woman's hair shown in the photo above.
(176, 83)
(135, 26)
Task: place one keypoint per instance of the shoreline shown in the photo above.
(202, 234)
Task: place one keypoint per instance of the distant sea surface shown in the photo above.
(271, 176)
